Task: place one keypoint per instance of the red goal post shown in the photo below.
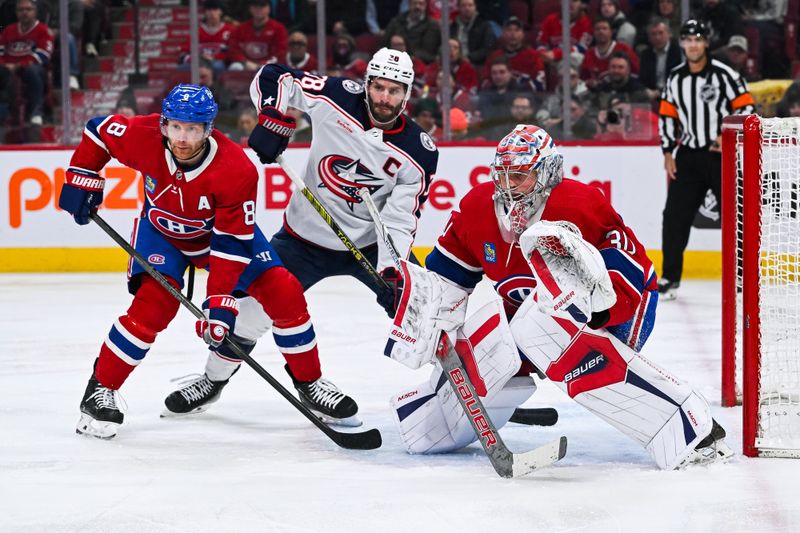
(761, 280)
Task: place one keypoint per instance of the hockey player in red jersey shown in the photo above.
(362, 139)
(199, 209)
(580, 295)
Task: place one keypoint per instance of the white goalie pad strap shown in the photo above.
(252, 322)
(429, 305)
(422, 419)
(572, 277)
(645, 402)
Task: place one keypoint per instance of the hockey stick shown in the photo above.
(365, 440)
(320, 209)
(506, 463)
(546, 416)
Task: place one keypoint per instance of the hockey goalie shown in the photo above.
(578, 303)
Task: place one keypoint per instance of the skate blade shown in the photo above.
(718, 452)
(350, 422)
(90, 427)
(667, 296)
(166, 413)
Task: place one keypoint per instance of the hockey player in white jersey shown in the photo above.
(361, 139)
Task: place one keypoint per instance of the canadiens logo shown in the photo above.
(150, 184)
(177, 227)
(156, 259)
(514, 289)
(344, 177)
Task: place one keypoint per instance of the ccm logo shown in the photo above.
(473, 408)
(156, 259)
(403, 336)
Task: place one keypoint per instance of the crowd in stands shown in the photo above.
(506, 60)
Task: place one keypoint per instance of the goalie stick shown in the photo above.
(546, 416)
(364, 440)
(506, 463)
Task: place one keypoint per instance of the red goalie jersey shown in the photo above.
(206, 212)
(472, 245)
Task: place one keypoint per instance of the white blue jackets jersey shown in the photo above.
(347, 153)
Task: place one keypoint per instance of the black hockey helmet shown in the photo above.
(694, 27)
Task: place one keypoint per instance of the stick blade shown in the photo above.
(364, 440)
(525, 463)
(542, 416)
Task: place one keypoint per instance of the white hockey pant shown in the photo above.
(431, 419)
(614, 382)
(251, 324)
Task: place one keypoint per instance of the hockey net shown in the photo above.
(761, 281)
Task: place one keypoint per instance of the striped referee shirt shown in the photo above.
(694, 104)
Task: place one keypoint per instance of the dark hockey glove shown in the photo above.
(220, 311)
(389, 298)
(82, 193)
(271, 136)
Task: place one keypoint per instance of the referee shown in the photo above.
(697, 95)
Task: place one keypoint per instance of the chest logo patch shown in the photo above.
(514, 289)
(709, 93)
(150, 184)
(490, 252)
(344, 177)
(177, 227)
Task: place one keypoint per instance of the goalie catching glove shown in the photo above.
(572, 279)
(429, 305)
(271, 136)
(220, 311)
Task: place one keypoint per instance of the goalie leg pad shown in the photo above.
(428, 423)
(642, 400)
(429, 304)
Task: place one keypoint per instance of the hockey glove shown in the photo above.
(389, 297)
(271, 136)
(82, 193)
(220, 311)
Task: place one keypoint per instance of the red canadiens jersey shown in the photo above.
(26, 48)
(207, 212)
(472, 245)
(212, 43)
(580, 30)
(265, 45)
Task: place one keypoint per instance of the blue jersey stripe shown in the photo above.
(627, 267)
(447, 268)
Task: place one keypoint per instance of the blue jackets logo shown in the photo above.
(490, 252)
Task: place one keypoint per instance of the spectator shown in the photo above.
(524, 60)
(495, 12)
(620, 82)
(49, 13)
(622, 120)
(214, 35)
(583, 126)
(258, 40)
(723, 20)
(594, 68)
(551, 111)
(435, 10)
(421, 34)
(463, 72)
(95, 19)
(670, 11)
(398, 42)
(735, 56)
(226, 100)
(767, 20)
(662, 54)
(25, 50)
(459, 97)
(495, 97)
(126, 104)
(346, 16)
(293, 14)
(248, 118)
(473, 33)
(580, 30)
(344, 56)
(459, 124)
(380, 13)
(427, 114)
(789, 106)
(298, 55)
(623, 31)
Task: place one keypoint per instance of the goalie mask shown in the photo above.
(391, 65)
(525, 169)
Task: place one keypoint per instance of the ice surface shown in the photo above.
(252, 463)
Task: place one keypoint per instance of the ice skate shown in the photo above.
(712, 449)
(668, 290)
(194, 396)
(326, 401)
(100, 413)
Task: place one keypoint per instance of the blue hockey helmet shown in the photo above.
(190, 103)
